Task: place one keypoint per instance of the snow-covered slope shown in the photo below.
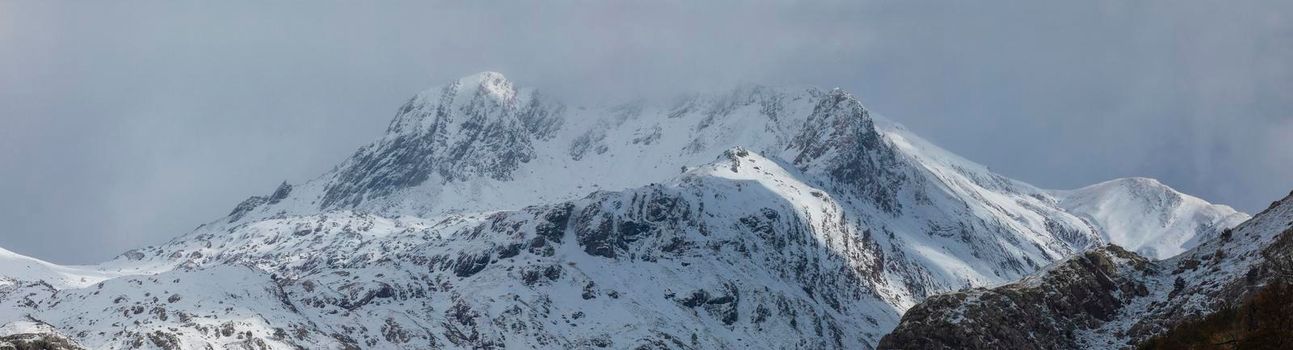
(17, 267)
(1146, 216)
(25, 281)
(491, 215)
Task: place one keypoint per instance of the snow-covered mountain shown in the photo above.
(491, 216)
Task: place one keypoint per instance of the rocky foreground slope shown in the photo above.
(490, 216)
(1110, 298)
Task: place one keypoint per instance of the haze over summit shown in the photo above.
(125, 127)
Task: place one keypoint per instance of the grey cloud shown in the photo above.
(124, 124)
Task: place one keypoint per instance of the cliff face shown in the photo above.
(1039, 313)
(1109, 298)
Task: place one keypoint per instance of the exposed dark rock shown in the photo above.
(245, 207)
(840, 138)
(256, 201)
(163, 340)
(470, 264)
(1080, 293)
(36, 341)
(279, 194)
(555, 220)
(508, 251)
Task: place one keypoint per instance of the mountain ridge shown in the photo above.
(1110, 297)
(493, 216)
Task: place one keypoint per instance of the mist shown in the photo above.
(126, 124)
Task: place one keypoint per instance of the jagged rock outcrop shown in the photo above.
(840, 141)
(36, 341)
(477, 126)
(1044, 312)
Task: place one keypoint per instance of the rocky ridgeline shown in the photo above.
(1108, 298)
(1081, 292)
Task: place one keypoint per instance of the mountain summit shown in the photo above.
(1146, 216)
(494, 216)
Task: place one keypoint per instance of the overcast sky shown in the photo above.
(126, 124)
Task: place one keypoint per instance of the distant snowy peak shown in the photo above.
(1148, 217)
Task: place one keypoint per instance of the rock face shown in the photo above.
(841, 144)
(1108, 298)
(36, 341)
(490, 216)
(478, 126)
(1080, 292)
(27, 335)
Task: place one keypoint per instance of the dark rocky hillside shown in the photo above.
(1229, 293)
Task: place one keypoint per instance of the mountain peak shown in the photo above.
(1138, 180)
(1137, 183)
(740, 162)
(476, 126)
(1144, 215)
(492, 84)
(483, 76)
(480, 93)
